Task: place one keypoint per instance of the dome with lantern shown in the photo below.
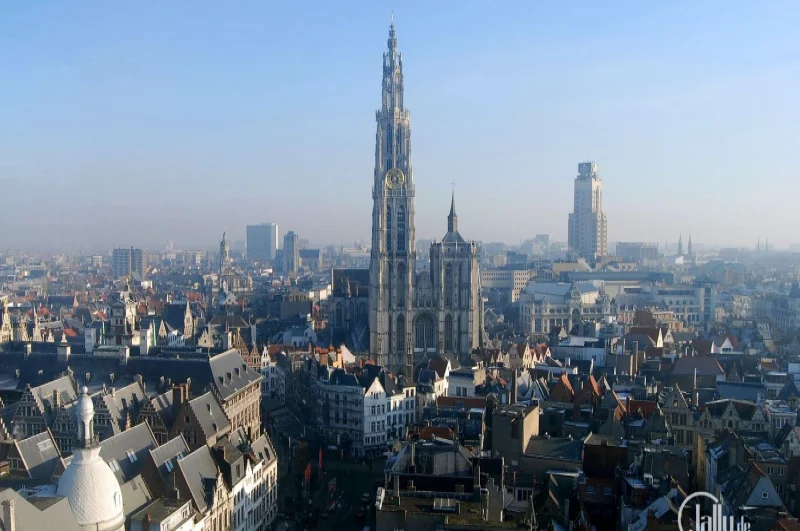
(88, 483)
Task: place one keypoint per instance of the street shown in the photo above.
(352, 481)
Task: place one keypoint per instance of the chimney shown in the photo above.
(9, 516)
(178, 397)
(146, 522)
(412, 468)
(397, 485)
(513, 398)
(56, 399)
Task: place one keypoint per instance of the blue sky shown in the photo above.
(135, 123)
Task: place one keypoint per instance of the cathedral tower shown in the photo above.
(393, 257)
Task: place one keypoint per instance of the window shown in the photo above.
(114, 465)
(131, 456)
(168, 466)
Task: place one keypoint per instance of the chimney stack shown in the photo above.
(9, 516)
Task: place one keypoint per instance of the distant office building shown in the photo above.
(588, 227)
(637, 251)
(311, 258)
(125, 262)
(291, 253)
(262, 241)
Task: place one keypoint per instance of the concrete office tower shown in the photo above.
(125, 262)
(262, 241)
(588, 227)
(291, 253)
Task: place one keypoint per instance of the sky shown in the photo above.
(137, 123)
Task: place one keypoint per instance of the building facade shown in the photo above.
(410, 313)
(262, 241)
(125, 262)
(291, 253)
(588, 227)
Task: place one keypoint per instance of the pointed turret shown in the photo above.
(452, 218)
(680, 245)
(689, 247)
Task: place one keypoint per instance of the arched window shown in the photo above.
(389, 142)
(448, 332)
(401, 229)
(448, 285)
(362, 310)
(458, 336)
(423, 332)
(401, 333)
(401, 284)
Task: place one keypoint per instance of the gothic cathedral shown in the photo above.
(440, 309)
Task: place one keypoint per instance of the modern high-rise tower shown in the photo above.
(588, 227)
(262, 241)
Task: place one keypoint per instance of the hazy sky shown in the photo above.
(133, 123)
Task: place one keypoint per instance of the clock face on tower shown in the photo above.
(395, 178)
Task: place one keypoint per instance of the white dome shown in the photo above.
(93, 491)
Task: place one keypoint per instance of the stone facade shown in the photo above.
(411, 313)
(588, 227)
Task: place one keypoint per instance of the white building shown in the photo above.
(513, 280)
(274, 382)
(375, 404)
(255, 490)
(545, 305)
(588, 227)
(778, 413)
(367, 412)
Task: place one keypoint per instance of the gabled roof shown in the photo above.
(231, 374)
(705, 365)
(34, 513)
(745, 409)
(166, 456)
(121, 401)
(200, 473)
(129, 450)
(209, 414)
(39, 454)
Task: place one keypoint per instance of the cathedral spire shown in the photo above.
(452, 218)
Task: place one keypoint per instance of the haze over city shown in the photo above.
(143, 123)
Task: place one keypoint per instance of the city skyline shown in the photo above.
(117, 150)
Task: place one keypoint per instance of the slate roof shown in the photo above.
(31, 516)
(199, 472)
(165, 457)
(705, 365)
(555, 447)
(135, 495)
(231, 374)
(741, 390)
(40, 454)
(209, 414)
(138, 441)
(121, 401)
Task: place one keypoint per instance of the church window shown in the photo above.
(401, 229)
(401, 333)
(338, 314)
(448, 285)
(423, 332)
(448, 332)
(401, 282)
